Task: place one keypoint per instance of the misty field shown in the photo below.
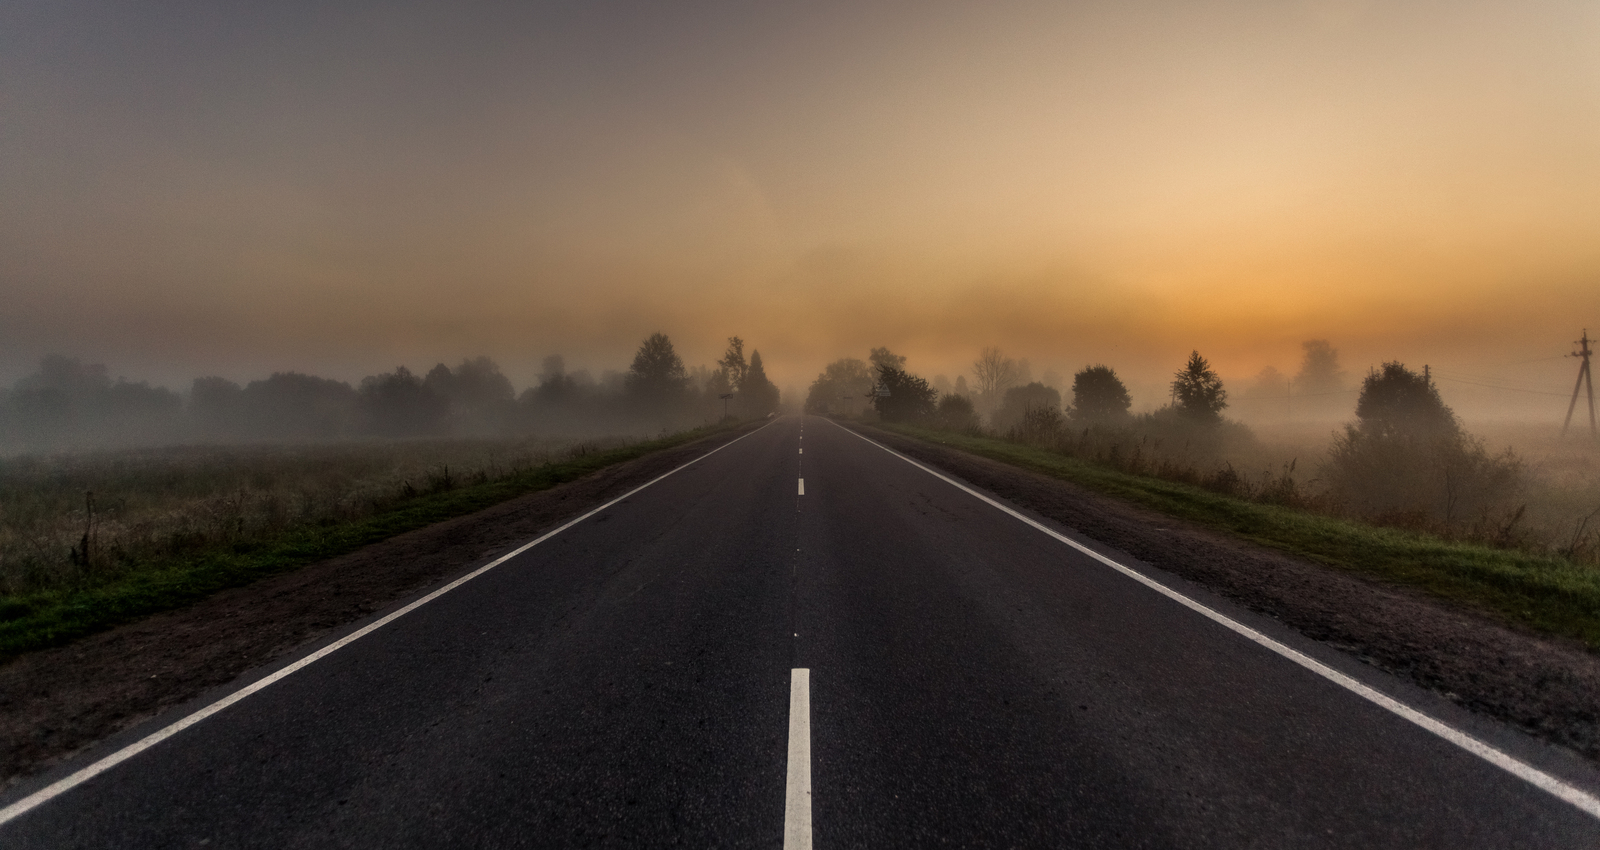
(1552, 507)
(75, 520)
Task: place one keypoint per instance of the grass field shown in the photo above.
(167, 527)
(1543, 592)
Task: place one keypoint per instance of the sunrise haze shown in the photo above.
(201, 188)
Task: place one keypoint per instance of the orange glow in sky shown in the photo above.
(195, 190)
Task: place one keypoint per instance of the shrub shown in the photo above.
(907, 397)
(1406, 461)
(956, 413)
(1019, 400)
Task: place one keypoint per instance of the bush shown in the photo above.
(1038, 426)
(908, 398)
(1019, 400)
(956, 413)
(1406, 461)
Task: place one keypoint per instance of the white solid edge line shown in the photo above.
(65, 784)
(1587, 802)
(797, 789)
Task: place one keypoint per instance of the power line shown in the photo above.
(1497, 387)
(1486, 379)
(1302, 395)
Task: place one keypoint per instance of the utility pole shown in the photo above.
(1427, 376)
(1584, 383)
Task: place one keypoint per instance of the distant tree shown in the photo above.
(477, 394)
(717, 385)
(909, 398)
(1320, 390)
(1267, 396)
(57, 404)
(1269, 383)
(556, 388)
(553, 366)
(1319, 370)
(733, 364)
(1098, 395)
(1200, 395)
(1019, 400)
(291, 405)
(844, 387)
(995, 373)
(1407, 453)
(399, 404)
(757, 395)
(69, 404)
(67, 375)
(657, 375)
(1396, 401)
(955, 413)
(961, 386)
(881, 357)
(942, 384)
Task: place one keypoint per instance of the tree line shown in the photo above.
(68, 404)
(1404, 456)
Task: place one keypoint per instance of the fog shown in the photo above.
(70, 405)
(236, 192)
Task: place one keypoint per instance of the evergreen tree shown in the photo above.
(758, 396)
(1200, 396)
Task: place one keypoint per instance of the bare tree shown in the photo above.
(994, 372)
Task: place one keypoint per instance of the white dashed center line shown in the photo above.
(797, 795)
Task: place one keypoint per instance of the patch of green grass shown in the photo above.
(55, 617)
(1543, 593)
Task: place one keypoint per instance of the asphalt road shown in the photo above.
(973, 682)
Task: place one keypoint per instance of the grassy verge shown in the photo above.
(1543, 593)
(54, 617)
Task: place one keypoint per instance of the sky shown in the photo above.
(231, 188)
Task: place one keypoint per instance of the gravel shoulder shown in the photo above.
(57, 701)
(1547, 687)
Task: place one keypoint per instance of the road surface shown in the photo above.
(799, 638)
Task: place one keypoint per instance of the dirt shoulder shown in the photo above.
(57, 701)
(1549, 688)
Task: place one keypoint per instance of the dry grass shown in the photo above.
(151, 504)
(1553, 510)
